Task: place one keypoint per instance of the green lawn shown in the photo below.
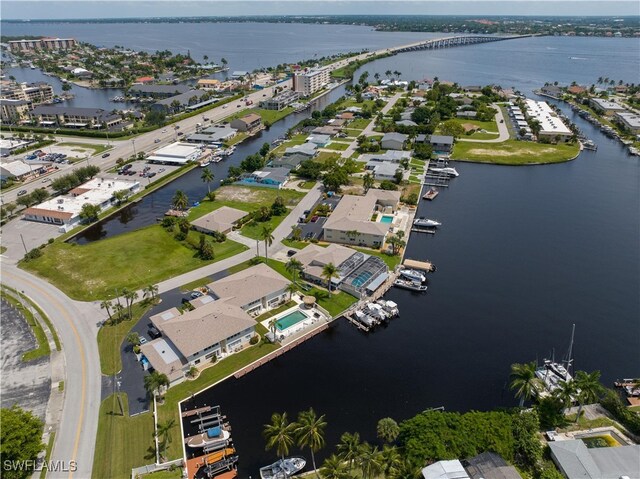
(274, 312)
(110, 338)
(253, 230)
(294, 243)
(198, 283)
(97, 149)
(480, 125)
(133, 260)
(123, 442)
(334, 145)
(512, 152)
(359, 123)
(47, 454)
(166, 474)
(240, 136)
(391, 261)
(479, 136)
(227, 366)
(42, 344)
(298, 139)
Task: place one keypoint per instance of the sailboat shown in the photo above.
(552, 373)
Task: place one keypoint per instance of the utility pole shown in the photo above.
(25, 246)
(133, 142)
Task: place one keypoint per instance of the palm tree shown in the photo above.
(207, 177)
(589, 388)
(388, 73)
(391, 460)
(150, 292)
(367, 181)
(328, 272)
(377, 76)
(130, 297)
(387, 429)
(164, 430)
(349, 447)
(294, 266)
(291, 288)
(369, 460)
(180, 201)
(268, 238)
(273, 326)
(406, 470)
(279, 434)
(154, 382)
(106, 305)
(565, 393)
(524, 380)
(334, 468)
(310, 433)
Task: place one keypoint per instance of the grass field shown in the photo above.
(198, 283)
(110, 339)
(82, 147)
(122, 442)
(512, 152)
(133, 260)
(166, 474)
(359, 123)
(334, 145)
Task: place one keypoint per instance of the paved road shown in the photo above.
(502, 129)
(77, 326)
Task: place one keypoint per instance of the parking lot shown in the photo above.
(141, 170)
(311, 225)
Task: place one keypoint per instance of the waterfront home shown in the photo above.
(247, 123)
(65, 210)
(319, 140)
(255, 290)
(311, 81)
(576, 461)
(385, 170)
(351, 221)
(307, 149)
(393, 141)
(73, 117)
(329, 130)
(215, 329)
(175, 154)
(221, 220)
(552, 90)
(291, 162)
(14, 111)
(35, 93)
(576, 89)
(487, 465)
(270, 177)
(359, 274)
(551, 125)
(605, 107)
(157, 91)
(217, 134)
(442, 144)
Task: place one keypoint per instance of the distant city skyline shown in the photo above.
(59, 10)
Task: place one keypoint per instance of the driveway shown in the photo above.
(502, 129)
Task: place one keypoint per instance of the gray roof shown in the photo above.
(249, 285)
(394, 136)
(579, 462)
(442, 139)
(490, 465)
(183, 98)
(290, 161)
(305, 149)
(162, 89)
(384, 168)
(72, 110)
(221, 219)
(354, 213)
(406, 123)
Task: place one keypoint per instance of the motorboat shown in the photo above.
(413, 275)
(389, 306)
(376, 312)
(211, 437)
(426, 223)
(205, 163)
(431, 194)
(283, 468)
(411, 285)
(365, 319)
(447, 170)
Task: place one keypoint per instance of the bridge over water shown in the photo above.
(449, 42)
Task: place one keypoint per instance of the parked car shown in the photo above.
(157, 140)
(314, 218)
(106, 155)
(151, 174)
(126, 167)
(291, 252)
(180, 133)
(143, 340)
(195, 294)
(22, 192)
(46, 180)
(153, 332)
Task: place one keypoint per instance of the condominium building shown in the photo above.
(630, 120)
(309, 82)
(42, 44)
(13, 111)
(551, 125)
(37, 93)
(73, 117)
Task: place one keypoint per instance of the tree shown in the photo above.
(367, 181)
(589, 387)
(89, 213)
(150, 292)
(349, 447)
(387, 429)
(207, 177)
(334, 468)
(164, 431)
(267, 236)
(10, 207)
(21, 441)
(120, 196)
(106, 305)
(565, 393)
(130, 297)
(205, 248)
(264, 149)
(155, 382)
(133, 338)
(397, 243)
(392, 462)
(328, 272)
(39, 195)
(310, 433)
(278, 207)
(294, 266)
(524, 381)
(452, 128)
(66, 86)
(180, 201)
(279, 434)
(370, 461)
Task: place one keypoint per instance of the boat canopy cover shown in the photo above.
(213, 432)
(376, 283)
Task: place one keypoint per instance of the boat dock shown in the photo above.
(421, 265)
(423, 230)
(195, 412)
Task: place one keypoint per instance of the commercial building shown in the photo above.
(19, 170)
(551, 125)
(65, 210)
(73, 117)
(255, 290)
(393, 141)
(576, 461)
(605, 107)
(280, 101)
(215, 134)
(8, 146)
(247, 123)
(350, 222)
(42, 44)
(213, 329)
(175, 154)
(359, 274)
(311, 81)
(269, 177)
(178, 102)
(157, 91)
(14, 111)
(209, 83)
(629, 120)
(221, 220)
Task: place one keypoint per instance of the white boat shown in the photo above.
(211, 437)
(283, 468)
(447, 170)
(413, 275)
(553, 373)
(389, 306)
(412, 285)
(205, 163)
(376, 312)
(365, 319)
(426, 223)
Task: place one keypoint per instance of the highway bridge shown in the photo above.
(449, 42)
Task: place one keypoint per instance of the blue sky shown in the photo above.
(54, 9)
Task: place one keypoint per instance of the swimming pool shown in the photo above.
(386, 219)
(290, 319)
(361, 279)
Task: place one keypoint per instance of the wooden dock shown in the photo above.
(423, 230)
(421, 265)
(356, 323)
(194, 412)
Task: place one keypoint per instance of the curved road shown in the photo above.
(77, 326)
(502, 129)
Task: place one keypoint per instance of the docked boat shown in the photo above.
(413, 275)
(389, 306)
(431, 194)
(426, 223)
(205, 163)
(447, 170)
(553, 373)
(365, 319)
(283, 468)
(411, 285)
(213, 436)
(377, 313)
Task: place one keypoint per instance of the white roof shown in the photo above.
(16, 168)
(7, 144)
(550, 122)
(445, 470)
(177, 150)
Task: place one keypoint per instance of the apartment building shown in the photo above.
(46, 43)
(309, 82)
